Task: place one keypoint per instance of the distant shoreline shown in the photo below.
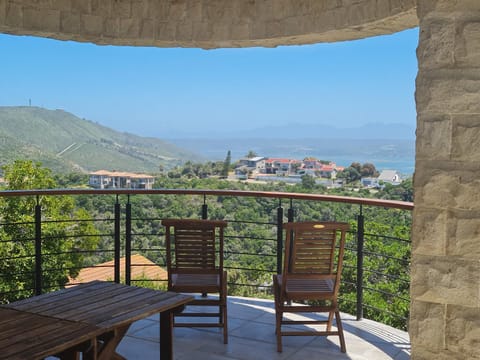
(385, 154)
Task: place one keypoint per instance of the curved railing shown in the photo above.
(122, 227)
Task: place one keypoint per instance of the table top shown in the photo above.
(103, 304)
(30, 336)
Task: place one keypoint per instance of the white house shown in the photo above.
(103, 179)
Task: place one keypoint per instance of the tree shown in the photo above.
(226, 164)
(61, 237)
(368, 170)
(251, 154)
(308, 181)
(350, 174)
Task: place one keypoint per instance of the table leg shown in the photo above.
(166, 335)
(110, 343)
(166, 332)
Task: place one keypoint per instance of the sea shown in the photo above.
(385, 154)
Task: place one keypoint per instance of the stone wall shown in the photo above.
(206, 23)
(445, 289)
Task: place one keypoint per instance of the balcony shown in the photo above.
(120, 221)
(252, 336)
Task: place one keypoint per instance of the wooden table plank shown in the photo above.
(29, 336)
(109, 306)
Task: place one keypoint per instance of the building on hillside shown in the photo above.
(249, 167)
(280, 166)
(103, 179)
(369, 182)
(390, 176)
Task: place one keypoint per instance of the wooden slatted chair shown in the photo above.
(195, 265)
(311, 278)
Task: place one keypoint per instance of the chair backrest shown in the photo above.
(194, 245)
(314, 250)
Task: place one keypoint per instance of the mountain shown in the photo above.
(367, 131)
(64, 142)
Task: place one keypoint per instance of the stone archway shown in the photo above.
(445, 312)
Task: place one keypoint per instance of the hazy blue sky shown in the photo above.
(163, 92)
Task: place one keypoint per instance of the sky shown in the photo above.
(169, 92)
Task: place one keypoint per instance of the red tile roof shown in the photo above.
(142, 268)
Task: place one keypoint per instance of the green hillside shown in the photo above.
(64, 142)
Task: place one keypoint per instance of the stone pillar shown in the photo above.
(445, 288)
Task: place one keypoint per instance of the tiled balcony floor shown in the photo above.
(252, 336)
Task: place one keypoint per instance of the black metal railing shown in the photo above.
(121, 233)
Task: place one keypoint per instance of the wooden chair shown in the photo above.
(311, 277)
(195, 265)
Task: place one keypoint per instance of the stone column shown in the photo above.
(445, 288)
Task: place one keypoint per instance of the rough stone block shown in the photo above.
(240, 31)
(463, 330)
(220, 32)
(140, 9)
(437, 8)
(437, 44)
(147, 29)
(61, 5)
(184, 30)
(434, 137)
(362, 12)
(400, 5)
(467, 51)
(43, 19)
(429, 231)
(122, 8)
(466, 137)
(14, 15)
(427, 325)
(177, 11)
(465, 240)
(84, 7)
(71, 23)
(438, 192)
(449, 92)
(202, 31)
(445, 280)
(166, 30)
(129, 28)
(92, 24)
(111, 27)
(425, 353)
(160, 10)
(245, 10)
(3, 11)
(101, 8)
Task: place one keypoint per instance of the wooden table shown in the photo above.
(27, 336)
(110, 309)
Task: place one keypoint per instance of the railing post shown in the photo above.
(290, 216)
(360, 241)
(290, 213)
(128, 241)
(38, 248)
(204, 208)
(279, 237)
(116, 236)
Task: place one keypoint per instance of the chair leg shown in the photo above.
(330, 320)
(278, 329)
(340, 332)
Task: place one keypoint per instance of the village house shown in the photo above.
(249, 166)
(103, 179)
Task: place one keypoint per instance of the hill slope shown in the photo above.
(64, 142)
